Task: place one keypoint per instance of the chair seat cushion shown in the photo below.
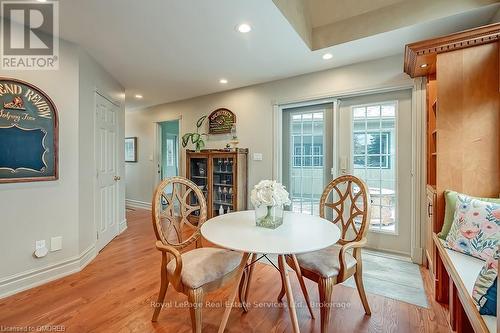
(205, 265)
(325, 262)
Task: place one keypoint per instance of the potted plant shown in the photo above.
(269, 197)
(195, 138)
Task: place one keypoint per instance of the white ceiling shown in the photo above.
(169, 50)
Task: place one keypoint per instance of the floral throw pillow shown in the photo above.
(485, 288)
(476, 228)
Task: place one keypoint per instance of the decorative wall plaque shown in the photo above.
(220, 121)
(28, 133)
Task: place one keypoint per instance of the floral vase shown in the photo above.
(269, 217)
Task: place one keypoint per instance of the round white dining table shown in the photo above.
(299, 233)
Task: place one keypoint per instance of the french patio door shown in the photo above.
(375, 144)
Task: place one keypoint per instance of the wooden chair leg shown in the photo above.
(161, 295)
(302, 284)
(283, 289)
(325, 287)
(195, 298)
(358, 277)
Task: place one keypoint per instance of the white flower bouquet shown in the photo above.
(268, 198)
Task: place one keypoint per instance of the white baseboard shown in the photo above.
(123, 226)
(388, 253)
(137, 204)
(33, 278)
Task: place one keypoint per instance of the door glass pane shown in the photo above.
(223, 185)
(374, 160)
(307, 160)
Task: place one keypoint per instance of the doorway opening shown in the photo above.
(168, 162)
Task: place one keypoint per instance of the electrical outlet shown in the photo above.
(56, 243)
(39, 244)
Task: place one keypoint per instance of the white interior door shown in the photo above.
(375, 145)
(106, 150)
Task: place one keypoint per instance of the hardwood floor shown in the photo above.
(115, 294)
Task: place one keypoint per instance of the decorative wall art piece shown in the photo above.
(131, 149)
(220, 121)
(28, 133)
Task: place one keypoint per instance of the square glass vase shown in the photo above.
(269, 217)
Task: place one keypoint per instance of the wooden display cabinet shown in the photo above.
(222, 177)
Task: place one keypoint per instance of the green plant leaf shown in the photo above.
(200, 121)
(201, 144)
(185, 139)
(195, 137)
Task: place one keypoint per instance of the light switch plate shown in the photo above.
(56, 243)
(257, 156)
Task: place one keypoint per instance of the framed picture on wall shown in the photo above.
(131, 149)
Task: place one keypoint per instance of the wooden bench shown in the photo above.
(462, 271)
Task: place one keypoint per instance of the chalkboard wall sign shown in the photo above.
(220, 121)
(28, 133)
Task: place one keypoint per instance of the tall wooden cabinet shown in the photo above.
(463, 125)
(222, 177)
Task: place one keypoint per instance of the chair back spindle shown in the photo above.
(175, 199)
(348, 198)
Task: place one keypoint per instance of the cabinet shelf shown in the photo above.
(222, 203)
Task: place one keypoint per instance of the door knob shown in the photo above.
(117, 178)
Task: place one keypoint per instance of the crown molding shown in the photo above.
(425, 52)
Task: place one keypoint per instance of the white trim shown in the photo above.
(137, 204)
(277, 136)
(403, 256)
(342, 94)
(418, 192)
(123, 226)
(35, 277)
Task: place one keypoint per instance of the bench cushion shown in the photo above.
(468, 269)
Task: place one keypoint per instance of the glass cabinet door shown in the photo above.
(223, 185)
(198, 174)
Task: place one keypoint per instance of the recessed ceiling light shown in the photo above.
(423, 65)
(42, 0)
(223, 81)
(327, 56)
(244, 28)
(138, 96)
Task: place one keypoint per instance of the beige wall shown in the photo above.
(253, 107)
(41, 210)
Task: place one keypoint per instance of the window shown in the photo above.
(375, 146)
(374, 160)
(307, 160)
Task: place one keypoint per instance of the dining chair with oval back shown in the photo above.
(349, 199)
(197, 271)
